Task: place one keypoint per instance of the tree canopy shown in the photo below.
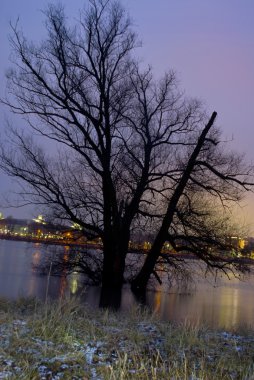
(132, 153)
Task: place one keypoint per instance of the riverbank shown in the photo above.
(245, 260)
(62, 242)
(65, 340)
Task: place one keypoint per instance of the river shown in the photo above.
(222, 304)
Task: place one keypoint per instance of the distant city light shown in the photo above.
(39, 219)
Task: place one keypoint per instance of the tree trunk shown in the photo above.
(115, 251)
(139, 284)
(110, 298)
(113, 267)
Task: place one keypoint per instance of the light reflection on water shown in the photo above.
(229, 304)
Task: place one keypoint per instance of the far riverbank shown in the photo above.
(49, 241)
(93, 245)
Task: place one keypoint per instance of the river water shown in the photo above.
(221, 304)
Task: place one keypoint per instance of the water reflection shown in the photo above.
(228, 304)
(73, 284)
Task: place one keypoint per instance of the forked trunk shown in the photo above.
(139, 284)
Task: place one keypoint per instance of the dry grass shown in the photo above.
(65, 340)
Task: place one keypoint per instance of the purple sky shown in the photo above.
(209, 43)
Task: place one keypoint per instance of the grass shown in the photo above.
(65, 340)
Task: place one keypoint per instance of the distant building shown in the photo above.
(36, 228)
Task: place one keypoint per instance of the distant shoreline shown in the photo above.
(48, 241)
(244, 260)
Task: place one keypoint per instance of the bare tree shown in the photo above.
(132, 152)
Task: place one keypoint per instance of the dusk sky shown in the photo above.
(210, 44)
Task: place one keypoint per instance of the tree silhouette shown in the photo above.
(131, 153)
